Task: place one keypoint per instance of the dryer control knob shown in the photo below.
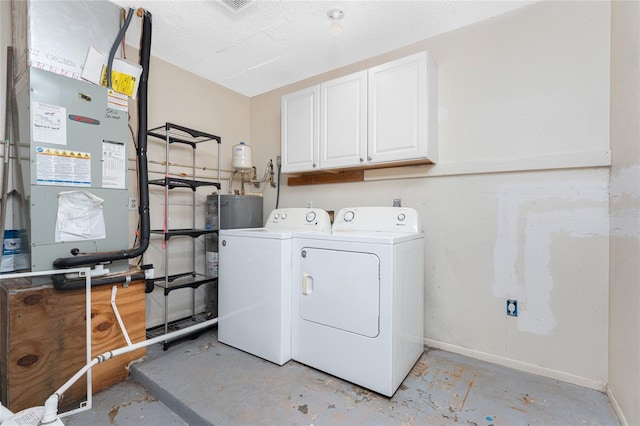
(401, 217)
(311, 216)
(276, 216)
(349, 215)
(284, 216)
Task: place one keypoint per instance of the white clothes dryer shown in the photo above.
(358, 307)
(254, 282)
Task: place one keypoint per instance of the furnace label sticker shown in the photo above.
(49, 123)
(114, 164)
(56, 166)
(117, 100)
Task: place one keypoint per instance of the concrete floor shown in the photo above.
(203, 382)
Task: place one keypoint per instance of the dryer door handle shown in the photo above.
(307, 284)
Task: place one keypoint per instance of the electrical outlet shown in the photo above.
(512, 308)
(278, 161)
(133, 203)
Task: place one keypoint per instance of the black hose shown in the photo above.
(61, 283)
(278, 191)
(143, 178)
(116, 44)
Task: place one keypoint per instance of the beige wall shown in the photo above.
(526, 92)
(624, 317)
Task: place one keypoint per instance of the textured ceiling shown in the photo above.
(271, 43)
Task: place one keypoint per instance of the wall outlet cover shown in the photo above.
(133, 203)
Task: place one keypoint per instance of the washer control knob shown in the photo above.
(401, 217)
(311, 216)
(276, 216)
(349, 215)
(284, 216)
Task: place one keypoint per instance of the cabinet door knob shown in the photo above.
(314, 165)
(369, 158)
(362, 160)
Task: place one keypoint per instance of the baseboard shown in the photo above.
(519, 365)
(616, 407)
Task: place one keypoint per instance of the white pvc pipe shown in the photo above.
(5, 413)
(84, 272)
(51, 405)
(114, 290)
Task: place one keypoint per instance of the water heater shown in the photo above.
(236, 211)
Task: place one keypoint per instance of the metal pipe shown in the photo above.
(268, 174)
(7, 145)
(231, 181)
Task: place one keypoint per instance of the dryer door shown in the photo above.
(340, 289)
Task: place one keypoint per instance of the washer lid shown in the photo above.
(277, 234)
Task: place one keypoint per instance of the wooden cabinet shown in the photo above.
(343, 121)
(382, 115)
(43, 339)
(403, 110)
(300, 132)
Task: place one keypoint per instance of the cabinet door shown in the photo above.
(343, 121)
(398, 110)
(300, 137)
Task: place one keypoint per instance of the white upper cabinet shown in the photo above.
(386, 114)
(300, 135)
(403, 106)
(343, 121)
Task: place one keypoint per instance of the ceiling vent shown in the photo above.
(236, 5)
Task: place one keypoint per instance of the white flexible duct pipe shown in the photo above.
(5, 413)
(51, 405)
(48, 415)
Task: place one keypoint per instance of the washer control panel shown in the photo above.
(380, 219)
(299, 219)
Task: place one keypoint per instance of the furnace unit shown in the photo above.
(73, 133)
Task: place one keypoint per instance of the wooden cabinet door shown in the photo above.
(300, 136)
(398, 110)
(343, 121)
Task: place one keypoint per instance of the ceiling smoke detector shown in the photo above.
(236, 5)
(335, 16)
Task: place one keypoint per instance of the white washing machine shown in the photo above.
(357, 302)
(254, 282)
